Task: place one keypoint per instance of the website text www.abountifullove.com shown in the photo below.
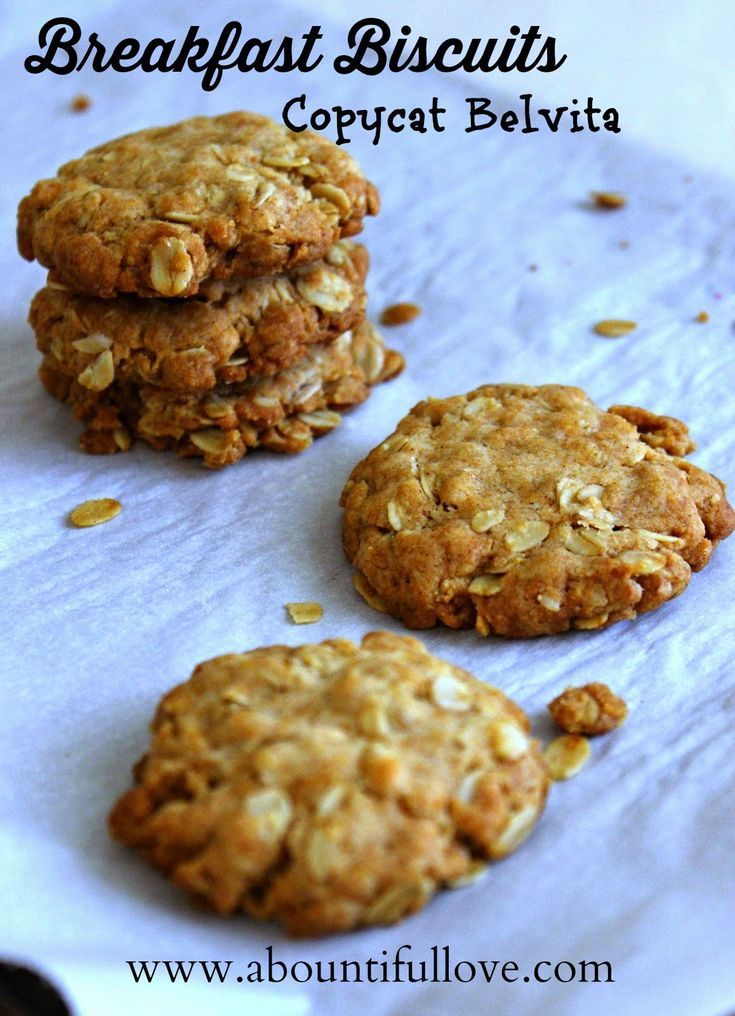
(436, 966)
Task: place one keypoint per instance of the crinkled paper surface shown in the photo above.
(634, 860)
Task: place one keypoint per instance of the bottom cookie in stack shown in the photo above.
(282, 412)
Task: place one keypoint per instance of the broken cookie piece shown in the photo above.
(591, 709)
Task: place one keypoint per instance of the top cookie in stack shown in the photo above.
(202, 293)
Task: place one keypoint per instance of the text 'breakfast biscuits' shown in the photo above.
(527, 511)
(331, 786)
(159, 211)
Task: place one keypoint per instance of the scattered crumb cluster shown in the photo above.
(581, 712)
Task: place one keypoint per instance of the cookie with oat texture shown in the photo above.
(331, 786)
(231, 331)
(159, 211)
(283, 412)
(524, 511)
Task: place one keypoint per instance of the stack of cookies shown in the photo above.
(203, 294)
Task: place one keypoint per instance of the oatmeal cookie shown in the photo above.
(231, 331)
(527, 511)
(331, 786)
(157, 212)
(283, 412)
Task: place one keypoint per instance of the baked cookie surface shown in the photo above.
(231, 331)
(527, 511)
(157, 212)
(282, 412)
(331, 786)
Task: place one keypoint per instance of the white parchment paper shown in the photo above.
(634, 860)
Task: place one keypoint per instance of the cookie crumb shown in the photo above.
(95, 512)
(590, 709)
(305, 613)
(608, 199)
(80, 103)
(399, 314)
(613, 328)
(702, 318)
(566, 755)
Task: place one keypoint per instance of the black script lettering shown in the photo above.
(66, 34)
(362, 38)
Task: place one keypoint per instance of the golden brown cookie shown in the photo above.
(157, 212)
(283, 412)
(231, 331)
(526, 511)
(331, 786)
